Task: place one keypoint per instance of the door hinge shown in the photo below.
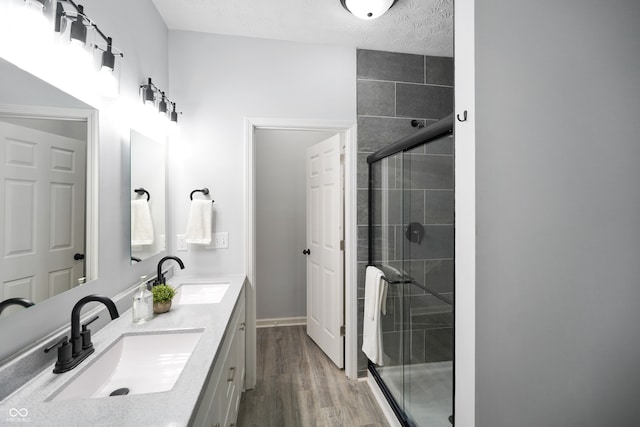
(342, 331)
(342, 245)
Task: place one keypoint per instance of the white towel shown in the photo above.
(199, 222)
(375, 304)
(141, 224)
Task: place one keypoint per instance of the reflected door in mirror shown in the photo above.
(43, 211)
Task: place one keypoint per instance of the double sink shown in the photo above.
(140, 363)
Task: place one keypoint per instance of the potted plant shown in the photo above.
(162, 296)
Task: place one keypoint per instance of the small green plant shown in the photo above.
(163, 293)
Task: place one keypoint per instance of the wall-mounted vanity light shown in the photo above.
(162, 105)
(148, 93)
(71, 15)
(367, 9)
(40, 11)
(174, 113)
(78, 31)
(151, 95)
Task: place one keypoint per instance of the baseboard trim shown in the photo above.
(281, 321)
(382, 402)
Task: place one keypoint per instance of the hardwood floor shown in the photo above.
(298, 386)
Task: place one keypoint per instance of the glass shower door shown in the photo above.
(411, 239)
(427, 251)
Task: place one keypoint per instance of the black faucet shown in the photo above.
(160, 280)
(71, 353)
(15, 301)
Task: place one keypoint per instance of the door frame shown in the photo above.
(347, 130)
(465, 213)
(91, 189)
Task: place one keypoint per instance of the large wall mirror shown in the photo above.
(147, 197)
(47, 196)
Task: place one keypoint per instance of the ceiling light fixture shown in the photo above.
(367, 9)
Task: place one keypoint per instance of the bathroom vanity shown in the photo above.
(202, 338)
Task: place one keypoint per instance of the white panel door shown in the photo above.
(42, 212)
(325, 291)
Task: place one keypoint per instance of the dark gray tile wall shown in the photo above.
(392, 90)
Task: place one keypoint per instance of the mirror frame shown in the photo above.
(92, 185)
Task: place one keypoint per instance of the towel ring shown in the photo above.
(204, 191)
(140, 191)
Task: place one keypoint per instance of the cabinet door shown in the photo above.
(240, 362)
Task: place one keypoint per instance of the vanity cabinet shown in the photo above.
(223, 389)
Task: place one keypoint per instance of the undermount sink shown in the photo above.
(134, 364)
(200, 293)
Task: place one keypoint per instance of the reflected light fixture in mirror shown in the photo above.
(367, 9)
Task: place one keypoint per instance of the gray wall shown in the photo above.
(393, 89)
(558, 213)
(281, 282)
(239, 78)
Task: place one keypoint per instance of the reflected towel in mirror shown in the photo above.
(141, 223)
(199, 222)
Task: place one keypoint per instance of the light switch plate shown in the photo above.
(181, 243)
(220, 240)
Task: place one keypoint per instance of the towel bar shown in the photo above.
(204, 191)
(140, 191)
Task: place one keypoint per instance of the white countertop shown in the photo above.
(171, 408)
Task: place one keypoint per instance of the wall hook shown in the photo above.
(464, 116)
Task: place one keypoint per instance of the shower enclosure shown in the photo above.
(411, 239)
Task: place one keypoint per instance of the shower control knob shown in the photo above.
(306, 251)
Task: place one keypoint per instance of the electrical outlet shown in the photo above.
(182, 243)
(220, 240)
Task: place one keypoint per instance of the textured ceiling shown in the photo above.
(410, 26)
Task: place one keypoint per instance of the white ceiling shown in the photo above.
(411, 26)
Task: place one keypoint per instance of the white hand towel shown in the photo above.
(375, 295)
(141, 224)
(199, 222)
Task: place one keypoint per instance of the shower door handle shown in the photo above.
(306, 251)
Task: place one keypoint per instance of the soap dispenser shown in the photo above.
(142, 303)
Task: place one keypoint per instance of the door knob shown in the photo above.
(306, 251)
(78, 257)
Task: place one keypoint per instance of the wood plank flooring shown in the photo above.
(298, 386)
